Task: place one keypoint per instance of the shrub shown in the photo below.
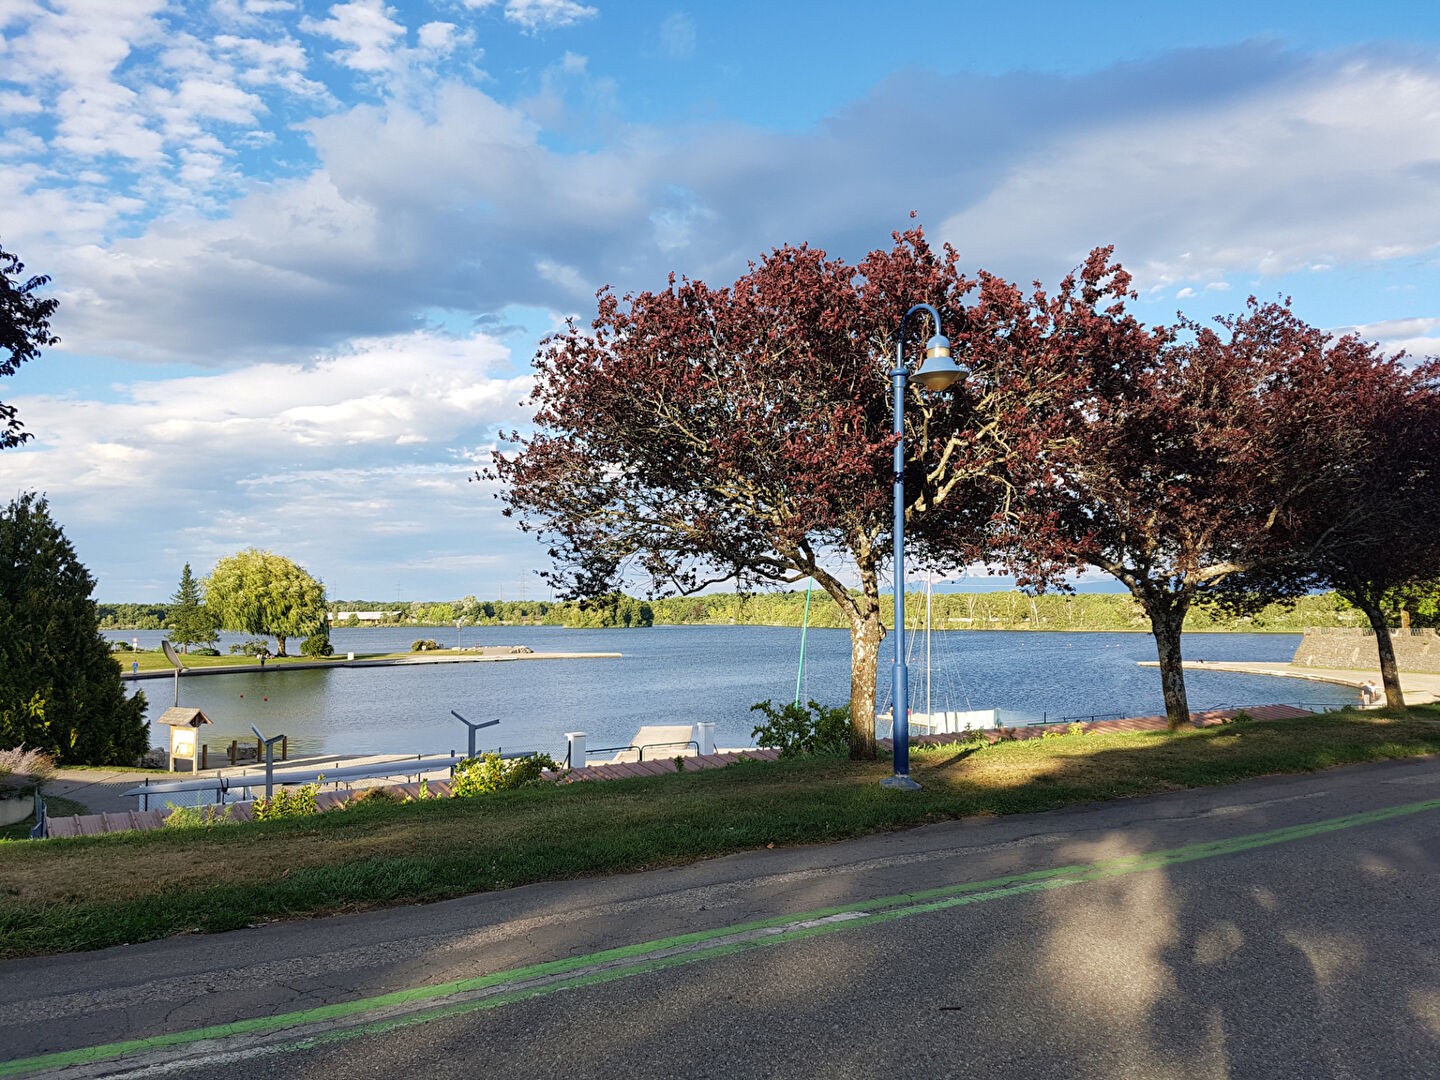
(197, 817)
(374, 796)
(27, 767)
(424, 645)
(490, 773)
(253, 647)
(205, 650)
(288, 803)
(317, 645)
(795, 730)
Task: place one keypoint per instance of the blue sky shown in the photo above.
(305, 250)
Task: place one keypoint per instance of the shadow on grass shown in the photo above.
(60, 895)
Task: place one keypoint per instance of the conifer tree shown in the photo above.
(191, 622)
(60, 689)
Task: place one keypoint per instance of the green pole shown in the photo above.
(804, 626)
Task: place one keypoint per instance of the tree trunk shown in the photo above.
(279, 645)
(865, 636)
(866, 632)
(1167, 618)
(1389, 671)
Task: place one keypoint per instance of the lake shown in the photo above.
(684, 674)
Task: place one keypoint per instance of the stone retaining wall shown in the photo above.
(1333, 647)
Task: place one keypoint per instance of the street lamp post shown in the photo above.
(936, 372)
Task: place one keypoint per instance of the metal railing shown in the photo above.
(621, 749)
(237, 788)
(41, 828)
(1046, 719)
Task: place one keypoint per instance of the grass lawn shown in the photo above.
(86, 893)
(155, 661)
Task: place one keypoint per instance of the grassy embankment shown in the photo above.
(88, 893)
(154, 659)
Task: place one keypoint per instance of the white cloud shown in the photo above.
(677, 37)
(366, 32)
(1331, 164)
(381, 435)
(535, 15)
(1418, 338)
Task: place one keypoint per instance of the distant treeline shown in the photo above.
(1010, 610)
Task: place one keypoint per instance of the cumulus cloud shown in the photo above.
(205, 199)
(459, 201)
(1418, 338)
(366, 33)
(380, 436)
(536, 15)
(1327, 163)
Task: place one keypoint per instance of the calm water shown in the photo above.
(671, 675)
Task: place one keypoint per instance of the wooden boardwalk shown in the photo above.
(99, 824)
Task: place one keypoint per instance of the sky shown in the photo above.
(305, 251)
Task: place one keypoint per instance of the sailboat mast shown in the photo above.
(929, 586)
(804, 627)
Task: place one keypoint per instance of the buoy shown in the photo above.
(267, 699)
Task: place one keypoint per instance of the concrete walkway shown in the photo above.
(1419, 688)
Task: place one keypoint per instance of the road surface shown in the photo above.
(1277, 928)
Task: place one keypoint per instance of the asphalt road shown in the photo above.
(1279, 928)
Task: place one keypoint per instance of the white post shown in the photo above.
(705, 736)
(576, 742)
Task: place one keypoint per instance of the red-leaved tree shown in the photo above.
(703, 434)
(1368, 523)
(1193, 449)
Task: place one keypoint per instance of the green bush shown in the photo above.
(205, 650)
(490, 773)
(197, 817)
(288, 803)
(797, 730)
(253, 647)
(424, 645)
(317, 645)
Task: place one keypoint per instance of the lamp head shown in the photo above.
(938, 370)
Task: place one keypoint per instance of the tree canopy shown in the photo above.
(1193, 450)
(702, 434)
(1367, 521)
(60, 689)
(24, 331)
(259, 592)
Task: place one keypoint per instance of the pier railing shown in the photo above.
(624, 749)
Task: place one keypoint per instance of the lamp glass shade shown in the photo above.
(938, 370)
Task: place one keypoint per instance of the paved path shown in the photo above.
(1419, 688)
(1277, 928)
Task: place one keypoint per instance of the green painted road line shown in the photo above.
(404, 1008)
